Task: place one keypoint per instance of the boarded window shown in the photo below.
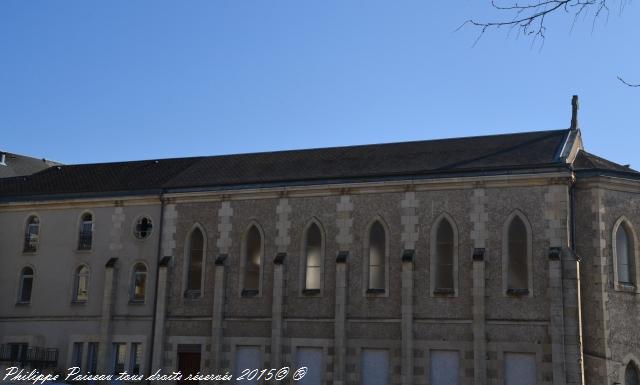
(247, 357)
(313, 251)
(139, 282)
(444, 367)
(631, 375)
(253, 257)
(312, 359)
(196, 251)
(81, 293)
(625, 256)
(520, 369)
(518, 272)
(444, 257)
(377, 256)
(375, 367)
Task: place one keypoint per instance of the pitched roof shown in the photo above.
(17, 165)
(497, 153)
(586, 161)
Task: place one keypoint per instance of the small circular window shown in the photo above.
(143, 228)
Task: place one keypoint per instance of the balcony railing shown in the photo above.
(84, 240)
(31, 356)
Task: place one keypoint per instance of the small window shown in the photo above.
(85, 236)
(625, 256)
(76, 354)
(92, 357)
(139, 283)
(377, 257)
(313, 255)
(32, 233)
(118, 359)
(252, 261)
(135, 357)
(444, 259)
(518, 259)
(143, 228)
(26, 285)
(81, 291)
(631, 375)
(196, 254)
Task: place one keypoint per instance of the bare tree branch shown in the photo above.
(627, 83)
(529, 17)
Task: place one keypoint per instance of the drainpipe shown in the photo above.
(155, 292)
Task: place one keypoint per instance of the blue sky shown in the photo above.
(94, 81)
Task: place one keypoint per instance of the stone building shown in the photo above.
(506, 259)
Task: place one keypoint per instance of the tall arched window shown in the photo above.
(26, 285)
(625, 256)
(85, 233)
(252, 261)
(377, 257)
(81, 286)
(196, 255)
(631, 374)
(139, 282)
(31, 234)
(518, 259)
(313, 258)
(444, 258)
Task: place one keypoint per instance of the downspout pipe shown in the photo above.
(155, 292)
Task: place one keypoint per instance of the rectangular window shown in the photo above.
(444, 367)
(247, 357)
(520, 369)
(92, 357)
(119, 354)
(76, 354)
(135, 358)
(312, 359)
(375, 367)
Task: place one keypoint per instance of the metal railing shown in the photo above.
(32, 355)
(85, 240)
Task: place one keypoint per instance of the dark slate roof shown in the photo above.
(495, 153)
(146, 175)
(17, 165)
(589, 162)
(377, 160)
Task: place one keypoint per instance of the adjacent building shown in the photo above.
(505, 259)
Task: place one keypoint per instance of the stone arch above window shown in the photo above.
(625, 262)
(517, 262)
(444, 256)
(252, 260)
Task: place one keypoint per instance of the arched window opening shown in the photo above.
(313, 254)
(195, 253)
(517, 252)
(26, 285)
(85, 236)
(631, 375)
(31, 234)
(252, 261)
(625, 256)
(139, 283)
(377, 257)
(81, 291)
(444, 279)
